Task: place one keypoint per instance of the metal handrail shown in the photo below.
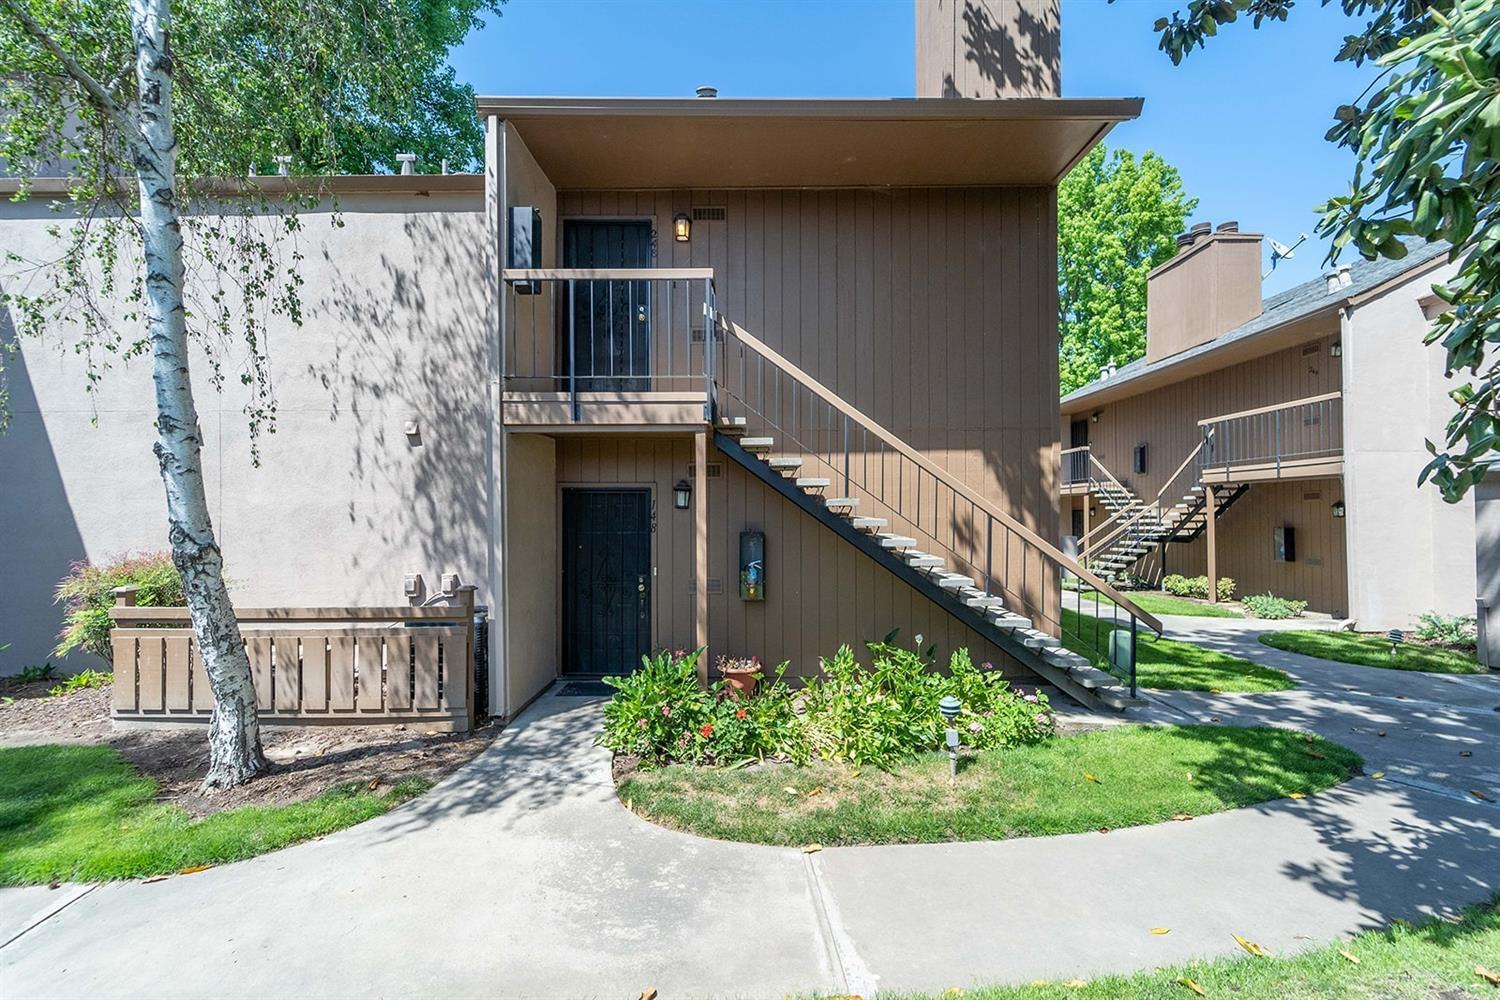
(1148, 508)
(1273, 436)
(578, 330)
(844, 420)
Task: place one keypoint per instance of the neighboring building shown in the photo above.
(1300, 420)
(765, 376)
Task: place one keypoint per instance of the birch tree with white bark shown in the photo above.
(159, 257)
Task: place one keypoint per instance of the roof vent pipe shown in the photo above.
(406, 160)
(1229, 227)
(707, 91)
(1184, 240)
(1200, 229)
(1338, 279)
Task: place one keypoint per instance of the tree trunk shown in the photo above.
(234, 736)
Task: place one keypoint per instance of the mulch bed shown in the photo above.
(305, 761)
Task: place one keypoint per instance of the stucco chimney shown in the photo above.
(1210, 287)
(989, 48)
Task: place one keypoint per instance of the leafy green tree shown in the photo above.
(147, 110)
(1117, 219)
(1426, 137)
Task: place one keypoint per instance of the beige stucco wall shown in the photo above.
(343, 502)
(531, 555)
(1408, 550)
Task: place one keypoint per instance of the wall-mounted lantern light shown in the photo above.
(682, 227)
(682, 494)
(1095, 416)
(1338, 508)
(1337, 349)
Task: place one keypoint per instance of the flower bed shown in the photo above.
(876, 715)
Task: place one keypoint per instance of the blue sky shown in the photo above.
(1242, 120)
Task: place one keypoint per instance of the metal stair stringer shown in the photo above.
(950, 600)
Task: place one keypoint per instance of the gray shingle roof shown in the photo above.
(1283, 307)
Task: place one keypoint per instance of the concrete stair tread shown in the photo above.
(812, 482)
(896, 541)
(841, 502)
(784, 462)
(732, 425)
(868, 522)
(926, 562)
(953, 581)
(757, 443)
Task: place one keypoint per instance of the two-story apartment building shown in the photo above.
(1276, 441)
(760, 376)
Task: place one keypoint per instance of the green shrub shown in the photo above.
(866, 716)
(79, 681)
(1458, 631)
(1196, 586)
(33, 672)
(1271, 607)
(88, 593)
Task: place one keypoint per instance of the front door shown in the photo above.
(610, 321)
(606, 580)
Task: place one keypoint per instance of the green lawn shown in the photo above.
(1157, 603)
(1373, 651)
(1435, 961)
(1116, 777)
(83, 813)
(1170, 665)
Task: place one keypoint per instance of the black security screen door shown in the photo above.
(606, 579)
(610, 349)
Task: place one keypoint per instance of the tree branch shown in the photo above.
(81, 76)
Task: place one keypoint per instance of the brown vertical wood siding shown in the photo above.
(1318, 575)
(820, 591)
(1166, 420)
(931, 310)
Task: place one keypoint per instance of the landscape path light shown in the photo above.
(949, 707)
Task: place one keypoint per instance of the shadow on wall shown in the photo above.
(1012, 63)
(403, 344)
(39, 536)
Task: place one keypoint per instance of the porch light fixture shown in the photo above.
(682, 494)
(1338, 508)
(1095, 416)
(1337, 349)
(682, 227)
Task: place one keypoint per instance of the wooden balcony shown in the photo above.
(607, 349)
(1301, 439)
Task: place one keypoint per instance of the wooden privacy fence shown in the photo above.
(361, 666)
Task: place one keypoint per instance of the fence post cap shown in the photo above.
(125, 596)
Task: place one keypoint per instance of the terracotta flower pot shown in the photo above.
(741, 680)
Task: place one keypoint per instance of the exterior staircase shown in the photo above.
(1141, 528)
(813, 448)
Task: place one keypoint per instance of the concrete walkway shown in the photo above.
(523, 876)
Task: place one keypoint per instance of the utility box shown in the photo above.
(1284, 544)
(525, 250)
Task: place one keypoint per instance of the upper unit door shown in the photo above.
(606, 579)
(607, 324)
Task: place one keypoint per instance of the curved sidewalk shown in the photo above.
(523, 876)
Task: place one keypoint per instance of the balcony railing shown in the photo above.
(581, 331)
(1300, 438)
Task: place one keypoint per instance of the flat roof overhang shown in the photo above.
(633, 143)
